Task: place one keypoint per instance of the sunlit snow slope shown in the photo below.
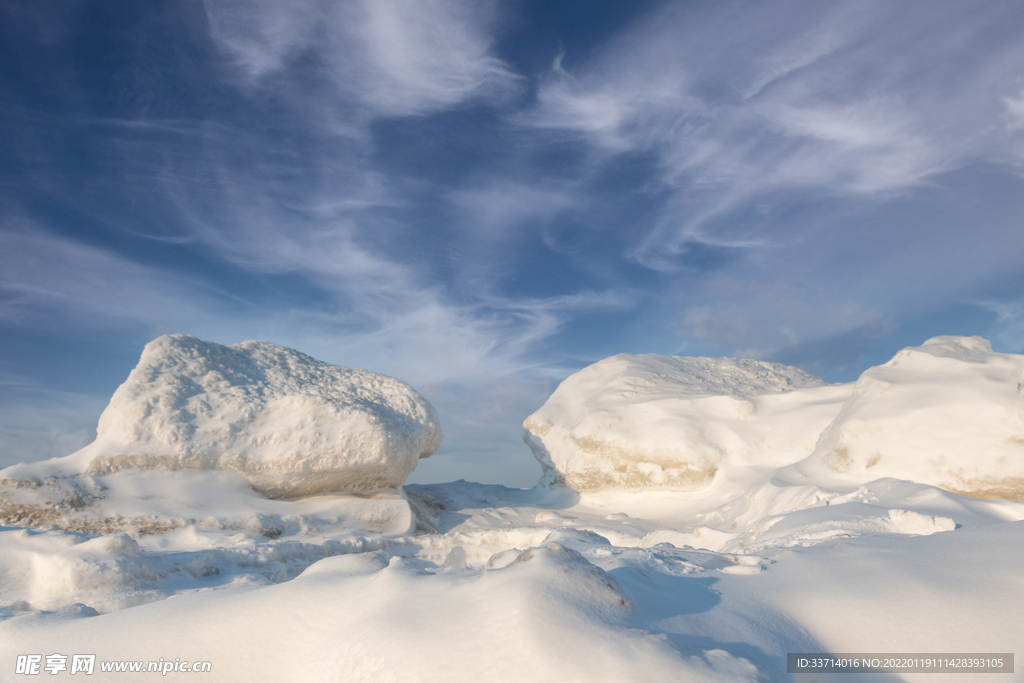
(635, 422)
(948, 413)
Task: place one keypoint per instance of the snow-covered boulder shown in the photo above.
(949, 413)
(290, 424)
(649, 421)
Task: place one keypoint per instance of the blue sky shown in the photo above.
(481, 198)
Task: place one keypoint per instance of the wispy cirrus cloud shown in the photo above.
(1015, 109)
(497, 209)
(38, 423)
(824, 170)
(391, 57)
(728, 312)
(858, 100)
(380, 309)
(50, 282)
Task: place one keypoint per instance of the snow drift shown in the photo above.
(630, 422)
(513, 585)
(290, 424)
(949, 413)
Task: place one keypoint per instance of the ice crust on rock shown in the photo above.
(649, 421)
(949, 413)
(290, 424)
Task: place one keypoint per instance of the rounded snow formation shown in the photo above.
(949, 413)
(649, 421)
(292, 425)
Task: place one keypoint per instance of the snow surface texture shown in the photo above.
(290, 424)
(633, 422)
(779, 551)
(949, 413)
(509, 585)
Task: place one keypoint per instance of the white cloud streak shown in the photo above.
(393, 57)
(392, 317)
(760, 317)
(52, 281)
(380, 58)
(37, 423)
(742, 101)
(1009, 325)
(1015, 109)
(498, 209)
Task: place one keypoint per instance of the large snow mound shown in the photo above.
(290, 424)
(642, 421)
(949, 413)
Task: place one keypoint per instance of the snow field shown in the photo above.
(697, 519)
(513, 584)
